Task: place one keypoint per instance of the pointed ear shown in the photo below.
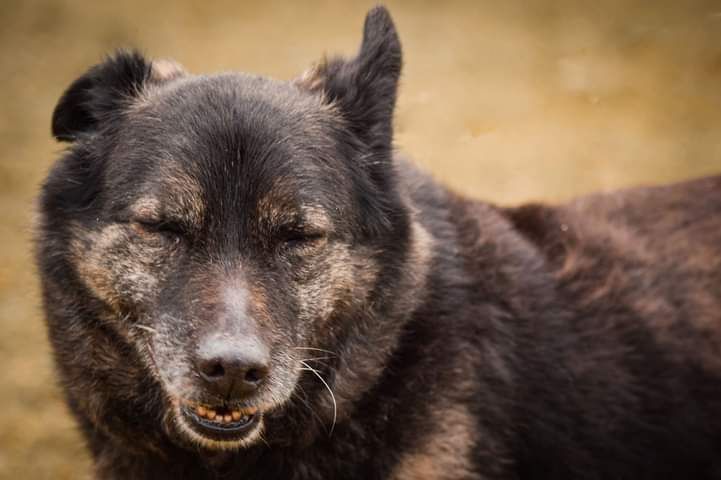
(364, 88)
(106, 89)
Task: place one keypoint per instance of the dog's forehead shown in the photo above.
(221, 116)
(234, 128)
(231, 142)
(237, 99)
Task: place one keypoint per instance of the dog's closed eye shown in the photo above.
(151, 225)
(296, 237)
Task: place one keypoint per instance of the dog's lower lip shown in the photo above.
(228, 425)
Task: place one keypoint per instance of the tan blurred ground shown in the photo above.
(508, 101)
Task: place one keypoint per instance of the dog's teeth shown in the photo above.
(225, 415)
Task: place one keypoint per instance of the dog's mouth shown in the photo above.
(221, 426)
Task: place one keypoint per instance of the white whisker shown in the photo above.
(316, 349)
(315, 359)
(335, 406)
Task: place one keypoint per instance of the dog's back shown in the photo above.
(655, 250)
(639, 274)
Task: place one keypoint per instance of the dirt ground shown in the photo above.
(508, 101)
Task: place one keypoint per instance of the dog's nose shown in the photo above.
(232, 368)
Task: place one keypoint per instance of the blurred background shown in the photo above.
(506, 101)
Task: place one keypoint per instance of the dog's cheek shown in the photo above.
(339, 280)
(118, 268)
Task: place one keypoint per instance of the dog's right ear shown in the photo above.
(105, 90)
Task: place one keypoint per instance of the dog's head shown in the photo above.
(236, 232)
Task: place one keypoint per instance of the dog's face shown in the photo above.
(230, 228)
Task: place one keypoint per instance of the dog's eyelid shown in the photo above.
(296, 235)
(303, 229)
(160, 224)
(307, 220)
(148, 219)
(150, 214)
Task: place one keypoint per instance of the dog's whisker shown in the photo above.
(332, 396)
(146, 328)
(317, 349)
(262, 439)
(315, 359)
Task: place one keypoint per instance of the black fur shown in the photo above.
(99, 95)
(461, 340)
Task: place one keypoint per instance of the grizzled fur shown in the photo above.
(458, 339)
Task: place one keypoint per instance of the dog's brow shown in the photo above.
(186, 196)
(279, 207)
(146, 207)
(155, 209)
(176, 197)
(315, 216)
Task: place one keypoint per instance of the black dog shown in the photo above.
(240, 281)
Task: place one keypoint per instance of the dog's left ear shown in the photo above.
(364, 88)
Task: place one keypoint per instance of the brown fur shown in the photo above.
(240, 244)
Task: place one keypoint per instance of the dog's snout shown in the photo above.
(232, 368)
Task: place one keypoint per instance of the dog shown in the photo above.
(241, 279)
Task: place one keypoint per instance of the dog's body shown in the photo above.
(206, 226)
